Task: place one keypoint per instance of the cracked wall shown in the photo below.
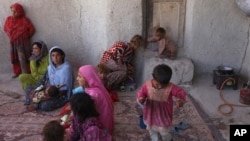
(216, 32)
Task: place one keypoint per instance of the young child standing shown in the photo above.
(156, 95)
(166, 47)
(85, 126)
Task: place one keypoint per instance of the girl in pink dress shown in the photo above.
(156, 95)
(85, 124)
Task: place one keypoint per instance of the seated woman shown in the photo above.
(39, 62)
(89, 79)
(59, 73)
(118, 59)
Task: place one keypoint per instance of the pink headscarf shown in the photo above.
(91, 76)
(103, 101)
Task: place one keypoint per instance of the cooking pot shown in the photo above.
(225, 70)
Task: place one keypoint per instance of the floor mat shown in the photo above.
(127, 126)
(18, 125)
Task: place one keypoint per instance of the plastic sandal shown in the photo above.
(14, 76)
(122, 88)
(181, 125)
(176, 131)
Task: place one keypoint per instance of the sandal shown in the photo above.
(14, 76)
(122, 88)
(176, 131)
(181, 125)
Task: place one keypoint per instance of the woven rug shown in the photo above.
(16, 124)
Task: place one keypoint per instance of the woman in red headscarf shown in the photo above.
(19, 30)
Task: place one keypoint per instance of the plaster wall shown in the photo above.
(216, 31)
(84, 29)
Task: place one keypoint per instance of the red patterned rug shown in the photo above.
(16, 124)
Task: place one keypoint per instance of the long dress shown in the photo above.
(89, 130)
(158, 108)
(19, 30)
(101, 97)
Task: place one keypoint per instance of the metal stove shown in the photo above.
(221, 74)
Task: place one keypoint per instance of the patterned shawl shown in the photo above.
(118, 50)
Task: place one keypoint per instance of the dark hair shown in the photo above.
(83, 106)
(161, 31)
(53, 131)
(162, 73)
(60, 51)
(38, 44)
(53, 91)
(102, 68)
(137, 40)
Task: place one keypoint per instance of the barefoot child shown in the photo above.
(166, 47)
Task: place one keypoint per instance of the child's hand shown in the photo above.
(179, 103)
(141, 100)
(30, 108)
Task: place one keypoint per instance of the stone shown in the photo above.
(182, 69)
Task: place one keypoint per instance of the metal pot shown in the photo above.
(225, 70)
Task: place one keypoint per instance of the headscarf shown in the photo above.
(92, 77)
(44, 51)
(118, 50)
(19, 26)
(62, 74)
(19, 9)
(98, 92)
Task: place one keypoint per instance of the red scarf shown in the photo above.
(20, 26)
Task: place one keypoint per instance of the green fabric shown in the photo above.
(36, 72)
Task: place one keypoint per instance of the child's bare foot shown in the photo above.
(30, 108)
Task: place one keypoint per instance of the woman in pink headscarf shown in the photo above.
(89, 79)
(19, 29)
